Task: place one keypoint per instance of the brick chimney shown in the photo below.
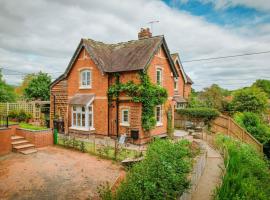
(144, 33)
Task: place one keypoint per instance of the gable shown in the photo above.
(121, 57)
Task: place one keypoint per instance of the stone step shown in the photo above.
(16, 137)
(28, 151)
(19, 142)
(23, 147)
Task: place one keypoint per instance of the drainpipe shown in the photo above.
(108, 117)
(117, 109)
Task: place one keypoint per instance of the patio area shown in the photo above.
(54, 173)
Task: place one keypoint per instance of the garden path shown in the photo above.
(211, 176)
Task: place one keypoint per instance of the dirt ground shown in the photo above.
(54, 173)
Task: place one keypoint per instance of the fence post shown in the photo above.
(7, 108)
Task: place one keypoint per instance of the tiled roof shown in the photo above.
(121, 57)
(124, 56)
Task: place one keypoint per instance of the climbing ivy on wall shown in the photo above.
(147, 93)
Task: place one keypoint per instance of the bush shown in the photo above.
(20, 116)
(161, 175)
(254, 125)
(204, 114)
(13, 114)
(250, 100)
(247, 173)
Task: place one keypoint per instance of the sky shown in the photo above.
(42, 35)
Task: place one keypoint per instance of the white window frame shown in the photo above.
(159, 123)
(159, 82)
(86, 126)
(123, 121)
(180, 105)
(88, 84)
(175, 82)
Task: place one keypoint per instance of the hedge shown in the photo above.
(201, 113)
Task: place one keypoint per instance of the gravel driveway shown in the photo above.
(54, 173)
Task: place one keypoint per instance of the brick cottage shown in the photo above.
(79, 96)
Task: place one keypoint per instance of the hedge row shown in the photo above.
(201, 113)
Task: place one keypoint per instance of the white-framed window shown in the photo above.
(159, 76)
(175, 84)
(180, 105)
(159, 115)
(82, 117)
(85, 78)
(125, 117)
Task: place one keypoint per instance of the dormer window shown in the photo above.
(86, 79)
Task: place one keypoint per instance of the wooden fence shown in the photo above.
(29, 107)
(228, 126)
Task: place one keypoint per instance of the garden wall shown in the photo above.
(40, 138)
(5, 139)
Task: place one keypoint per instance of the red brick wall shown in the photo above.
(99, 88)
(161, 61)
(5, 140)
(38, 138)
(187, 90)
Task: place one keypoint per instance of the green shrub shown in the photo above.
(247, 173)
(161, 175)
(82, 147)
(13, 114)
(204, 114)
(22, 116)
(254, 125)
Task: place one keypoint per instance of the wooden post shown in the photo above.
(7, 108)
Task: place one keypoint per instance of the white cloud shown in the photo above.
(262, 5)
(42, 34)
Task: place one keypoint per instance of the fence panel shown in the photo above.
(28, 107)
(3, 121)
(228, 126)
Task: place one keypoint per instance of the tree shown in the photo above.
(39, 87)
(7, 93)
(253, 123)
(263, 85)
(250, 100)
(26, 80)
(214, 97)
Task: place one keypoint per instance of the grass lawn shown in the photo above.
(32, 127)
(9, 122)
(107, 152)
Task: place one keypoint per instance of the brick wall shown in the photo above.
(38, 138)
(5, 141)
(187, 90)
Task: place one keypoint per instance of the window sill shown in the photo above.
(85, 88)
(82, 129)
(124, 124)
(159, 124)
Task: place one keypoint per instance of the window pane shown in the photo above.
(125, 116)
(74, 108)
(88, 78)
(78, 119)
(83, 120)
(74, 119)
(90, 120)
(90, 108)
(83, 109)
(158, 114)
